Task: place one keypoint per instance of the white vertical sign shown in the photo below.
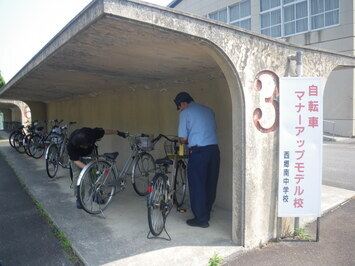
(301, 138)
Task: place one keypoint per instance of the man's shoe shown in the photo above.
(78, 204)
(192, 222)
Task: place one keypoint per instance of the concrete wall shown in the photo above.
(339, 100)
(38, 111)
(16, 115)
(203, 7)
(153, 111)
(7, 114)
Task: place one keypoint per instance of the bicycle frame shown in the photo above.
(121, 175)
(62, 146)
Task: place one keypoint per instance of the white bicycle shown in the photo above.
(99, 179)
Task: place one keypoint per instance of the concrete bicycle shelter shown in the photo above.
(119, 64)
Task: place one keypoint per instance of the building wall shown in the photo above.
(7, 114)
(153, 112)
(38, 111)
(338, 96)
(338, 38)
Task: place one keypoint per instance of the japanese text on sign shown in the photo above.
(300, 159)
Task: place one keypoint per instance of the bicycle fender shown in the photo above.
(46, 155)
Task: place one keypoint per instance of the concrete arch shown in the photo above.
(238, 139)
(339, 116)
(13, 113)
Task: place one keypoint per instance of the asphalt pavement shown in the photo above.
(26, 237)
(336, 245)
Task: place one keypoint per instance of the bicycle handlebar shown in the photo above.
(127, 134)
(164, 136)
(68, 124)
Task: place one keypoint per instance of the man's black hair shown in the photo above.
(182, 97)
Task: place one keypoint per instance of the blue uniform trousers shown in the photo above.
(203, 171)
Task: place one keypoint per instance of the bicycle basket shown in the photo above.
(170, 148)
(57, 139)
(56, 130)
(145, 143)
(174, 148)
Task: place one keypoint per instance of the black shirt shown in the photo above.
(93, 135)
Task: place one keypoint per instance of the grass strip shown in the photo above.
(63, 240)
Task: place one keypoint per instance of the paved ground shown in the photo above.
(337, 157)
(25, 237)
(336, 245)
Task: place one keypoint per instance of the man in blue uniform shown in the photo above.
(197, 128)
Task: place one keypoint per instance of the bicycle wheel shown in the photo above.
(36, 146)
(180, 183)
(97, 187)
(143, 173)
(52, 157)
(157, 205)
(26, 144)
(11, 138)
(18, 143)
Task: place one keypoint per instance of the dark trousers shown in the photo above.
(203, 171)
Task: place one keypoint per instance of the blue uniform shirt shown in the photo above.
(197, 123)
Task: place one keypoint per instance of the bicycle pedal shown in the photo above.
(181, 210)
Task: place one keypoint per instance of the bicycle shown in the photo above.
(56, 153)
(18, 138)
(41, 139)
(13, 135)
(99, 179)
(166, 190)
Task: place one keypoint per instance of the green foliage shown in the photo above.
(302, 234)
(2, 81)
(215, 260)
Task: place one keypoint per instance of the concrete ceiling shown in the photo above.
(111, 54)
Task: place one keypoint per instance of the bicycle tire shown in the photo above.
(36, 146)
(157, 205)
(97, 187)
(52, 162)
(26, 142)
(143, 173)
(11, 138)
(18, 143)
(180, 183)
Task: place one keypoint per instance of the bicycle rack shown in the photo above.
(150, 236)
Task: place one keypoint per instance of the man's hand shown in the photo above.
(122, 134)
(79, 164)
(183, 140)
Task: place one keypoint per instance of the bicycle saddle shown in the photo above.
(164, 161)
(111, 156)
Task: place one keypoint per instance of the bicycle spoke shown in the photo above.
(97, 187)
(143, 173)
(157, 206)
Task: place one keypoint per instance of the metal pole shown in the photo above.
(318, 231)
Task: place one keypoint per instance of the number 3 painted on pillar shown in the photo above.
(257, 114)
